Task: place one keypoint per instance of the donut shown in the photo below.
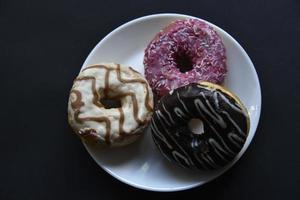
(186, 51)
(200, 126)
(110, 105)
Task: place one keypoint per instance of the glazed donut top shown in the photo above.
(88, 116)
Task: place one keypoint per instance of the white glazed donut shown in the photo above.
(93, 121)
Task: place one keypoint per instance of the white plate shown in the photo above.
(140, 164)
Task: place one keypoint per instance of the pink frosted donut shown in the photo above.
(186, 51)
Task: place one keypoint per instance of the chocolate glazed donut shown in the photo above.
(224, 126)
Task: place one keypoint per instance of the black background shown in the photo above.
(42, 47)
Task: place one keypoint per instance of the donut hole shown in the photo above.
(184, 62)
(196, 126)
(110, 103)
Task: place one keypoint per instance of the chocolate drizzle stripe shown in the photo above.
(121, 122)
(98, 67)
(96, 95)
(134, 105)
(149, 107)
(96, 119)
(134, 70)
(106, 83)
(78, 101)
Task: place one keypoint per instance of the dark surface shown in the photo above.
(42, 47)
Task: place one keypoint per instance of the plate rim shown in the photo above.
(259, 99)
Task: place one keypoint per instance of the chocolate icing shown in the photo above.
(224, 119)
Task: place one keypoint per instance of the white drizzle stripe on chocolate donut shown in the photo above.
(172, 140)
(176, 154)
(170, 117)
(232, 137)
(115, 126)
(225, 120)
(159, 134)
(202, 107)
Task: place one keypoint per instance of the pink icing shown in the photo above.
(184, 52)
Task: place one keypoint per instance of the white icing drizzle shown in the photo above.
(174, 140)
(216, 117)
(163, 117)
(223, 124)
(222, 141)
(200, 161)
(216, 132)
(170, 117)
(179, 113)
(179, 146)
(176, 153)
(182, 103)
(234, 123)
(234, 107)
(217, 148)
(161, 151)
(208, 160)
(216, 99)
(231, 136)
(212, 161)
(159, 134)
